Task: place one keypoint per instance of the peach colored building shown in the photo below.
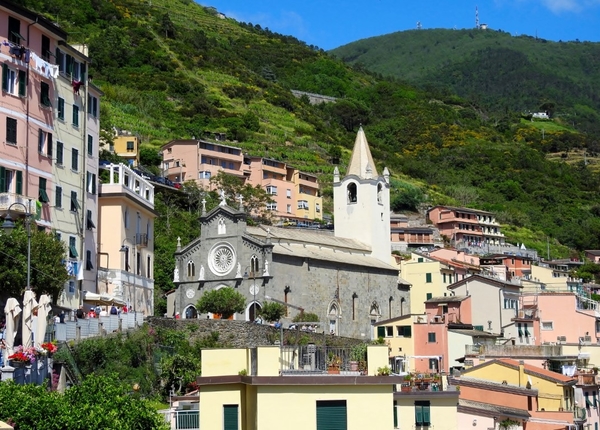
(126, 238)
(464, 226)
(546, 318)
(295, 194)
(404, 236)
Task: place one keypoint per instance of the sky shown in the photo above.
(332, 23)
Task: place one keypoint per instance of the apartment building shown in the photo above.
(47, 134)
(295, 194)
(127, 146)
(467, 227)
(126, 238)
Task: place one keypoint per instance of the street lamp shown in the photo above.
(8, 227)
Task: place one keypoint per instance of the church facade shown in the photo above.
(344, 277)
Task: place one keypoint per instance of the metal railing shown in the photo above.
(92, 327)
(317, 359)
(180, 420)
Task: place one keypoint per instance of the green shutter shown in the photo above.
(418, 415)
(61, 108)
(4, 77)
(395, 414)
(59, 152)
(82, 72)
(22, 83)
(426, 415)
(49, 143)
(230, 417)
(332, 415)
(3, 180)
(69, 64)
(19, 182)
(94, 183)
(428, 277)
(407, 331)
(380, 331)
(429, 296)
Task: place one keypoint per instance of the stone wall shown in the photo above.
(242, 334)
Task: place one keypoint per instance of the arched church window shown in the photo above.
(191, 269)
(254, 266)
(352, 193)
(222, 228)
(379, 193)
(374, 312)
(333, 314)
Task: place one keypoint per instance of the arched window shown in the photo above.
(333, 315)
(374, 313)
(254, 266)
(390, 300)
(191, 269)
(379, 193)
(222, 228)
(352, 198)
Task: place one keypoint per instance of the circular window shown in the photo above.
(221, 259)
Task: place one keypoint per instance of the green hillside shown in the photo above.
(492, 69)
(174, 69)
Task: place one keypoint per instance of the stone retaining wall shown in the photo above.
(243, 334)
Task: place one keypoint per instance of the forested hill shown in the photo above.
(174, 69)
(493, 69)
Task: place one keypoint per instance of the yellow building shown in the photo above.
(398, 335)
(126, 238)
(267, 388)
(426, 279)
(127, 146)
(426, 409)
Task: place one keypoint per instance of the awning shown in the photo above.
(101, 299)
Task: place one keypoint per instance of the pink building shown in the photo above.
(564, 318)
(593, 255)
(401, 232)
(26, 114)
(466, 227)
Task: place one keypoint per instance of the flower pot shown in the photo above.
(18, 364)
(354, 366)
(333, 371)
(406, 388)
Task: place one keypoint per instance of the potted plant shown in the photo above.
(334, 363)
(406, 385)
(384, 371)
(358, 353)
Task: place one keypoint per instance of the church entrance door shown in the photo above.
(254, 311)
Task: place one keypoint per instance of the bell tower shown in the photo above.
(361, 201)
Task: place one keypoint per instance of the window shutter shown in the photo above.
(4, 77)
(19, 188)
(332, 415)
(407, 331)
(82, 72)
(40, 140)
(230, 417)
(69, 64)
(395, 414)
(22, 83)
(418, 415)
(94, 183)
(49, 143)
(2, 180)
(426, 415)
(89, 104)
(59, 152)
(380, 331)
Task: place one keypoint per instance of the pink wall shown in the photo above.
(560, 309)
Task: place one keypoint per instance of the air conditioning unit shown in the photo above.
(587, 339)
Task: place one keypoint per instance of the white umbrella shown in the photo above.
(42, 319)
(29, 304)
(12, 311)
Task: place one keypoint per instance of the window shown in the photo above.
(431, 337)
(317, 207)
(428, 296)
(59, 153)
(302, 204)
(91, 183)
(148, 270)
(433, 364)
(271, 206)
(44, 143)
(478, 327)
(289, 209)
(11, 130)
(90, 145)
(288, 193)
(14, 30)
(138, 263)
(428, 278)
(126, 218)
(404, 331)
(46, 48)
(89, 222)
(45, 94)
(422, 413)
(332, 414)
(88, 260)
(6, 181)
(389, 331)
(271, 190)
(130, 146)
(231, 417)
(42, 195)
(73, 247)
(61, 109)
(520, 329)
(71, 286)
(74, 203)
(75, 116)
(92, 108)
(14, 81)
(75, 160)
(352, 193)
(191, 269)
(58, 197)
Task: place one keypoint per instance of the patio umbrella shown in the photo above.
(42, 319)
(12, 311)
(29, 304)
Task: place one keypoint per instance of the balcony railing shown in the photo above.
(141, 239)
(7, 199)
(189, 420)
(579, 414)
(314, 360)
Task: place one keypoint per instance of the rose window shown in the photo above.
(222, 259)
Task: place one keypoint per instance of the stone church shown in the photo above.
(345, 276)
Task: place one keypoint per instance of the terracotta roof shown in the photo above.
(449, 299)
(529, 370)
(489, 408)
(492, 386)
(474, 333)
(593, 251)
(484, 279)
(466, 210)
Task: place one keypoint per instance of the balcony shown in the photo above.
(141, 240)
(509, 351)
(7, 199)
(586, 377)
(420, 382)
(316, 360)
(526, 315)
(579, 414)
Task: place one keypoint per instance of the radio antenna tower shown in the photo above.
(476, 18)
(419, 25)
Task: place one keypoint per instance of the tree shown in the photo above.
(224, 301)
(48, 271)
(306, 317)
(272, 311)
(255, 198)
(149, 156)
